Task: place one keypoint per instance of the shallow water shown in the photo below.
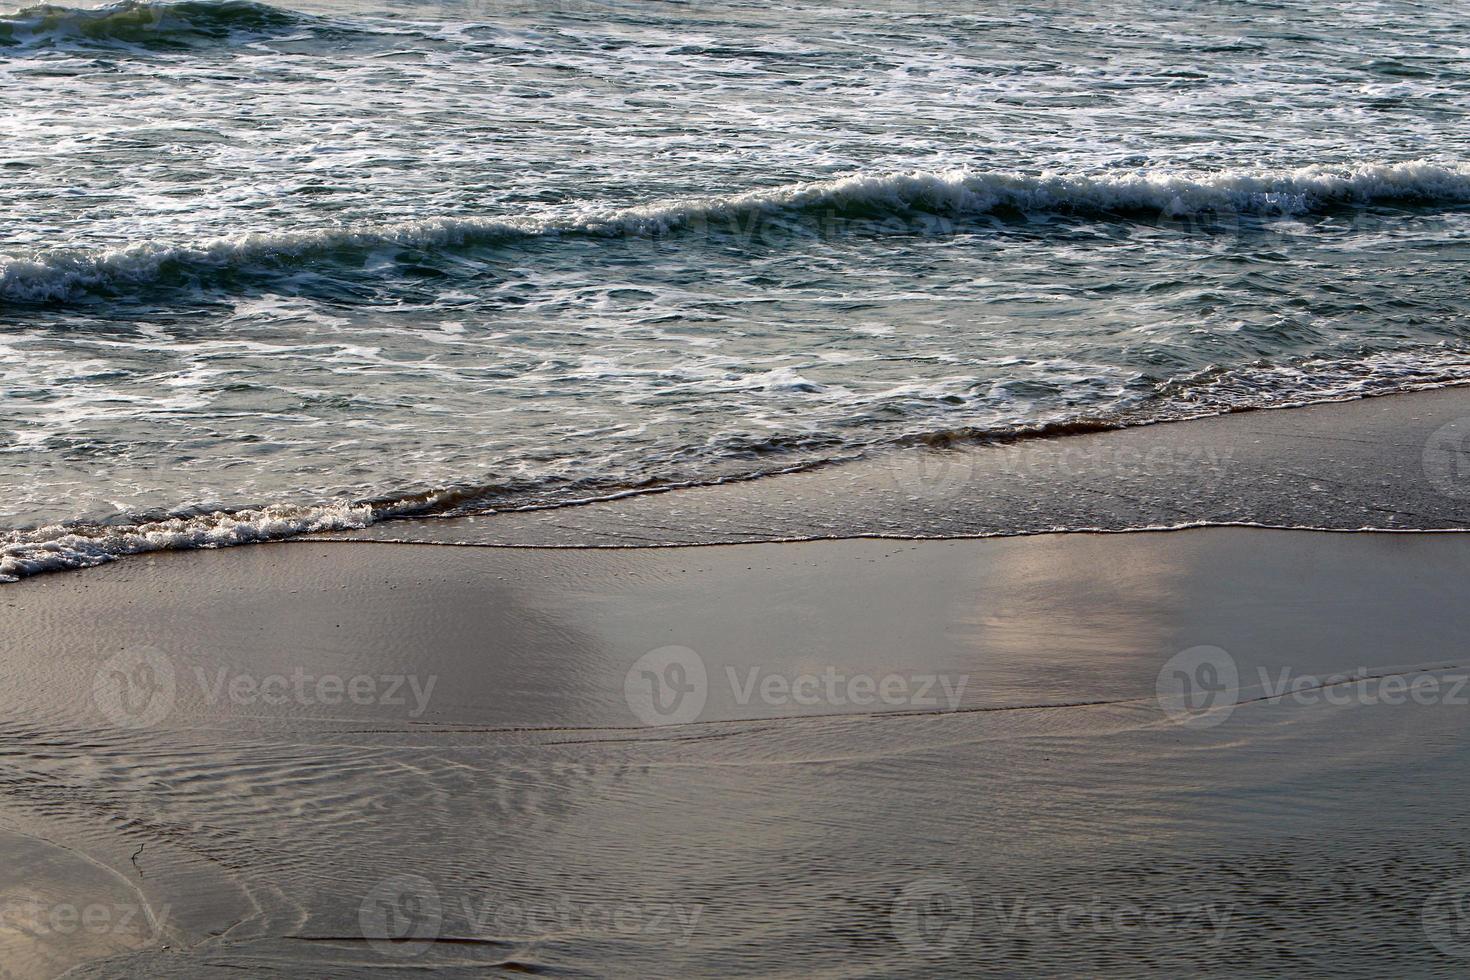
(350, 261)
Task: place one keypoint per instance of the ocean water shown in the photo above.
(266, 270)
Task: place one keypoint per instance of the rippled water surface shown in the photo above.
(328, 264)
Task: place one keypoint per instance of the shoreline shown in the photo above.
(1257, 468)
(1398, 462)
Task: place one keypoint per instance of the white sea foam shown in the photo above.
(58, 547)
(62, 547)
(58, 275)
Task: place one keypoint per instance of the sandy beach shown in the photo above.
(646, 489)
(1227, 751)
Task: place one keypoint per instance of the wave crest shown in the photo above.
(59, 547)
(51, 276)
(142, 22)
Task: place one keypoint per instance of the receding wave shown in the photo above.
(155, 24)
(58, 547)
(59, 275)
(61, 547)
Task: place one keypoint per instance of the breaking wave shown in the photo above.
(58, 547)
(62, 547)
(142, 22)
(59, 275)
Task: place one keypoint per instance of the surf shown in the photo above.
(51, 276)
(143, 22)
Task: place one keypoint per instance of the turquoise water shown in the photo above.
(266, 270)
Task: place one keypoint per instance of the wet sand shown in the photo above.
(1054, 755)
(1395, 462)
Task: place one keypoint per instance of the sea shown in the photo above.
(268, 270)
